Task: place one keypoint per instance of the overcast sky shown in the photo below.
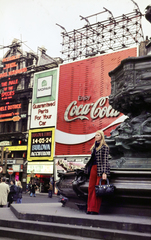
(34, 21)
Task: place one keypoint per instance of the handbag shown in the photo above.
(104, 190)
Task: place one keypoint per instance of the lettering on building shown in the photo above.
(99, 109)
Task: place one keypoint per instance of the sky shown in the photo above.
(34, 21)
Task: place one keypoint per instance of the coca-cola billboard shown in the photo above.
(83, 106)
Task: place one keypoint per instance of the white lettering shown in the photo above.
(97, 109)
(41, 147)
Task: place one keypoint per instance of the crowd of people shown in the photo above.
(10, 193)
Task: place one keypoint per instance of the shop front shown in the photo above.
(40, 173)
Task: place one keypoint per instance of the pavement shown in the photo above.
(55, 209)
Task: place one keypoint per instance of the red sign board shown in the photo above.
(1, 169)
(10, 171)
(83, 105)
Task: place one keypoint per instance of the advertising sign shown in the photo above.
(9, 83)
(83, 105)
(40, 144)
(44, 99)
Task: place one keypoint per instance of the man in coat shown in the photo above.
(4, 190)
(13, 195)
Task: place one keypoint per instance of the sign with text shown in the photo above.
(40, 168)
(43, 112)
(40, 144)
(83, 102)
(9, 109)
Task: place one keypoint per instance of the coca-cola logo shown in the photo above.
(99, 109)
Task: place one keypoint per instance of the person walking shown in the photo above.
(98, 167)
(4, 191)
(19, 192)
(33, 189)
(12, 196)
(50, 189)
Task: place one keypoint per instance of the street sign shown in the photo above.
(10, 171)
(1, 169)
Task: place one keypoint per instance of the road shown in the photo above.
(40, 198)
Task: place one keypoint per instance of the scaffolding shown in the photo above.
(101, 37)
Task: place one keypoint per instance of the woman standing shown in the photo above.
(99, 167)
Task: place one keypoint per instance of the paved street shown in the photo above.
(40, 198)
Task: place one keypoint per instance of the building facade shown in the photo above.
(17, 70)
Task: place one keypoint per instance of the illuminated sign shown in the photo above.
(14, 119)
(16, 148)
(10, 107)
(13, 72)
(40, 144)
(12, 115)
(12, 65)
(8, 89)
(10, 112)
(11, 58)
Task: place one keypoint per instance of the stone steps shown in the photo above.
(74, 228)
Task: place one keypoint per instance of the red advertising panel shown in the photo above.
(83, 106)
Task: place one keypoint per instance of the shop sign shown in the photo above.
(47, 169)
(16, 148)
(16, 168)
(5, 143)
(11, 161)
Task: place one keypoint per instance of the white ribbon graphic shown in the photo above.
(68, 138)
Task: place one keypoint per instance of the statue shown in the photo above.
(129, 142)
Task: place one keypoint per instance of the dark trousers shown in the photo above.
(93, 203)
(50, 193)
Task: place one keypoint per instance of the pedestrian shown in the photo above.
(12, 196)
(29, 187)
(4, 191)
(19, 192)
(99, 167)
(50, 190)
(33, 189)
